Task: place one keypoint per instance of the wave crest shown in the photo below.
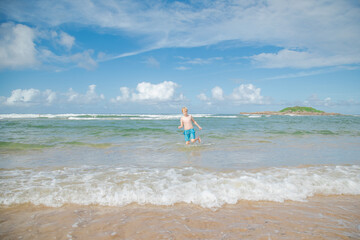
(210, 189)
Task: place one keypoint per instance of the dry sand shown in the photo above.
(330, 217)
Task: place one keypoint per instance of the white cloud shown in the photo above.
(314, 100)
(299, 59)
(50, 96)
(302, 74)
(91, 94)
(148, 92)
(35, 97)
(29, 97)
(202, 97)
(217, 93)
(84, 59)
(61, 38)
(159, 92)
(244, 94)
(17, 47)
(145, 92)
(152, 62)
(322, 29)
(247, 94)
(195, 61)
(199, 61)
(22, 96)
(90, 97)
(72, 95)
(125, 95)
(66, 40)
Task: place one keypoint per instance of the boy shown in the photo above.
(189, 130)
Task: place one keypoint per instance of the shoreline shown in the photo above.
(291, 113)
(320, 217)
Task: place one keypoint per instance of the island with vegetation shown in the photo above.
(307, 111)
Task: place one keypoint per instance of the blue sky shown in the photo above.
(157, 56)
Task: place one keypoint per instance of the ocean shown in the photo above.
(108, 165)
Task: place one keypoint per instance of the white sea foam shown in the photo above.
(221, 116)
(166, 186)
(72, 116)
(29, 116)
(94, 118)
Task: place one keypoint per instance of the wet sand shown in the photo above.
(330, 217)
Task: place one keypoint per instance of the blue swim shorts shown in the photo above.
(189, 134)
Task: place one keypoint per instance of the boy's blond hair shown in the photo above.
(184, 108)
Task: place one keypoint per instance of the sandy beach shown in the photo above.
(321, 217)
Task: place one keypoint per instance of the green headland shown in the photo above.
(297, 110)
(301, 109)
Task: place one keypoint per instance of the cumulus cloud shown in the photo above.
(203, 97)
(29, 97)
(159, 92)
(35, 97)
(217, 93)
(244, 94)
(17, 47)
(90, 97)
(148, 92)
(20, 96)
(145, 92)
(50, 96)
(247, 94)
(125, 95)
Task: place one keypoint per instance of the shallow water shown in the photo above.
(116, 161)
(154, 140)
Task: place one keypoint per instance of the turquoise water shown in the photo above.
(154, 139)
(73, 153)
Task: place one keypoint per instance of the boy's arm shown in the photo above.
(192, 119)
(181, 123)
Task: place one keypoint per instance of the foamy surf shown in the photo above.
(108, 186)
(72, 116)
